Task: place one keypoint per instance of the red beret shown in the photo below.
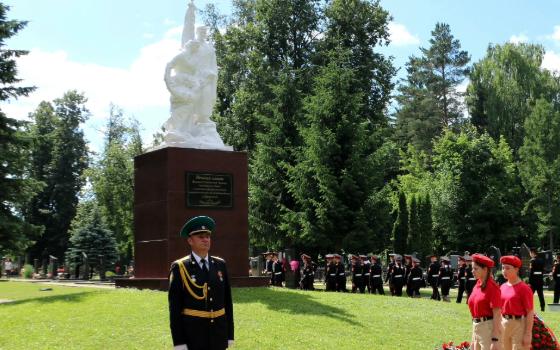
(483, 260)
(511, 260)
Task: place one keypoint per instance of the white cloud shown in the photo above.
(556, 35)
(168, 22)
(517, 39)
(400, 36)
(148, 36)
(551, 61)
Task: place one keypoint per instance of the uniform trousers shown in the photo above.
(482, 335)
(513, 334)
(538, 287)
(556, 292)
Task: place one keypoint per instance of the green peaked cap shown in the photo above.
(197, 225)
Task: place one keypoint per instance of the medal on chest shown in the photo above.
(220, 276)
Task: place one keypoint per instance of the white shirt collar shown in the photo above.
(197, 258)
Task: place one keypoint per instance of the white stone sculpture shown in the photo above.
(191, 78)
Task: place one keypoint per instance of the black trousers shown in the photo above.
(358, 286)
(435, 291)
(397, 287)
(461, 291)
(538, 287)
(377, 286)
(556, 292)
(445, 286)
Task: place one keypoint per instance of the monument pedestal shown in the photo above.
(172, 185)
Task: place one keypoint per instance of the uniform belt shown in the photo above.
(341, 274)
(435, 275)
(204, 314)
(481, 319)
(472, 279)
(416, 278)
(278, 273)
(513, 317)
(537, 273)
(358, 274)
(445, 278)
(332, 274)
(366, 274)
(376, 276)
(463, 278)
(397, 276)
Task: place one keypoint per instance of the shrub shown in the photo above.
(27, 271)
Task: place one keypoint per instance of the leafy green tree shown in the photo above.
(539, 167)
(63, 177)
(16, 186)
(400, 227)
(414, 238)
(429, 100)
(90, 236)
(113, 179)
(503, 87)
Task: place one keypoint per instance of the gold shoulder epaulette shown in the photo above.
(218, 258)
(187, 258)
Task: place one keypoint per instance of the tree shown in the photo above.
(90, 236)
(425, 234)
(504, 86)
(429, 100)
(16, 186)
(414, 238)
(539, 167)
(400, 227)
(113, 179)
(63, 175)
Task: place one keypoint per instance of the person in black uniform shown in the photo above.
(366, 267)
(376, 276)
(407, 268)
(397, 276)
(340, 274)
(470, 279)
(536, 270)
(330, 274)
(388, 278)
(462, 278)
(415, 278)
(433, 277)
(308, 275)
(200, 304)
(445, 278)
(556, 277)
(357, 275)
(277, 276)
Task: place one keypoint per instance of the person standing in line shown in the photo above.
(415, 278)
(433, 277)
(388, 278)
(376, 276)
(536, 271)
(268, 265)
(462, 278)
(517, 306)
(308, 275)
(407, 268)
(445, 278)
(357, 275)
(556, 278)
(366, 266)
(471, 281)
(330, 274)
(277, 271)
(340, 274)
(397, 276)
(485, 305)
(199, 296)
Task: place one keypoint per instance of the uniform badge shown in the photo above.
(220, 276)
(193, 277)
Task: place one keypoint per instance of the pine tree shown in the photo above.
(414, 233)
(426, 237)
(16, 186)
(400, 227)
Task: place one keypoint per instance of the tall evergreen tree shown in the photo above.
(400, 227)
(16, 186)
(539, 167)
(429, 100)
(426, 237)
(414, 234)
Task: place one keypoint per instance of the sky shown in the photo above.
(116, 51)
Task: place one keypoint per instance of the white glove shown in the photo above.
(230, 343)
(181, 347)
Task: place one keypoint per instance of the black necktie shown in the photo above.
(204, 269)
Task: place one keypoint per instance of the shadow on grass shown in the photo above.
(283, 300)
(70, 298)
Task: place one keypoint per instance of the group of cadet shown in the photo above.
(367, 275)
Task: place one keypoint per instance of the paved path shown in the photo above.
(69, 283)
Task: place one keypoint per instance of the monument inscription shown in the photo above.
(209, 190)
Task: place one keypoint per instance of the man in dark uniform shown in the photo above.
(407, 268)
(415, 278)
(462, 278)
(433, 277)
(397, 276)
(388, 278)
(200, 304)
(471, 280)
(445, 278)
(330, 274)
(340, 274)
(366, 267)
(536, 270)
(556, 278)
(357, 275)
(308, 275)
(376, 276)
(277, 276)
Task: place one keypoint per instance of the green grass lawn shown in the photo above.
(265, 318)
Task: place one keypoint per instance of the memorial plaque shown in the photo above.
(209, 190)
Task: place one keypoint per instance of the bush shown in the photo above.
(109, 274)
(27, 271)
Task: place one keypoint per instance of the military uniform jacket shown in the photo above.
(415, 276)
(397, 275)
(277, 272)
(196, 302)
(340, 275)
(556, 272)
(462, 275)
(330, 275)
(375, 274)
(308, 274)
(433, 273)
(358, 274)
(389, 272)
(445, 275)
(469, 276)
(536, 270)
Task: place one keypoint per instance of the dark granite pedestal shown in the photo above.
(174, 184)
